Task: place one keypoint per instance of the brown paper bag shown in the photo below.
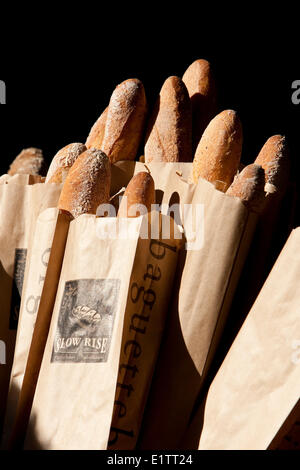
(82, 353)
(171, 181)
(148, 300)
(36, 266)
(254, 397)
(206, 280)
(20, 203)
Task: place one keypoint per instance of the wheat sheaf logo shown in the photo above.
(85, 316)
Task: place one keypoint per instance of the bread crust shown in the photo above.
(96, 135)
(249, 185)
(274, 158)
(30, 161)
(140, 190)
(218, 153)
(169, 131)
(201, 86)
(62, 162)
(87, 184)
(125, 122)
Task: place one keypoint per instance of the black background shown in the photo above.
(60, 75)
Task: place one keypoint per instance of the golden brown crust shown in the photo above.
(249, 185)
(95, 137)
(169, 132)
(140, 191)
(274, 159)
(87, 184)
(201, 86)
(125, 121)
(62, 162)
(218, 153)
(30, 161)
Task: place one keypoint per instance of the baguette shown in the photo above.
(201, 87)
(169, 132)
(249, 187)
(218, 153)
(274, 159)
(95, 137)
(87, 184)
(30, 161)
(125, 121)
(140, 191)
(62, 162)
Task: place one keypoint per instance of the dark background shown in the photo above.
(56, 89)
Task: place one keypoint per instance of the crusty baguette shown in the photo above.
(274, 159)
(62, 162)
(125, 121)
(169, 131)
(140, 191)
(96, 134)
(249, 185)
(30, 161)
(200, 83)
(87, 184)
(218, 153)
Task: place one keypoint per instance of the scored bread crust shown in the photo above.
(29, 161)
(201, 86)
(249, 185)
(274, 159)
(140, 190)
(62, 162)
(218, 153)
(169, 131)
(95, 137)
(125, 121)
(87, 184)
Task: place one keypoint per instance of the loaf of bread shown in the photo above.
(249, 185)
(200, 84)
(62, 162)
(218, 153)
(30, 162)
(138, 197)
(87, 184)
(169, 131)
(96, 134)
(125, 121)
(274, 159)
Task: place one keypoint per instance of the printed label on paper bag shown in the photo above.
(86, 319)
(18, 278)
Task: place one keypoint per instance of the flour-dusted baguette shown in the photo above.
(62, 162)
(218, 153)
(274, 159)
(169, 131)
(87, 184)
(138, 197)
(201, 86)
(30, 161)
(125, 121)
(249, 185)
(96, 134)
